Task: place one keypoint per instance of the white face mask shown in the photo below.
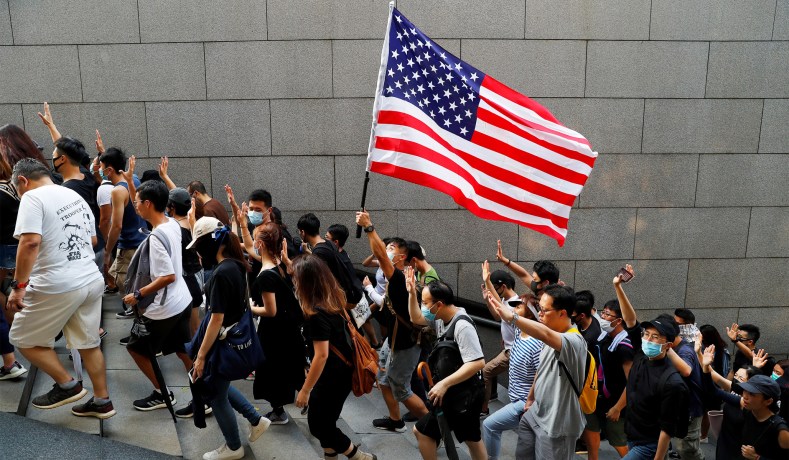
(606, 326)
(391, 255)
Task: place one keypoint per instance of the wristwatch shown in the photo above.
(369, 229)
(137, 295)
(514, 319)
(15, 284)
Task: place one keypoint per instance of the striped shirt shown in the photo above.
(524, 361)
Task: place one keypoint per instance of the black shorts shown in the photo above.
(166, 335)
(194, 289)
(466, 426)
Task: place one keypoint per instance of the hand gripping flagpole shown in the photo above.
(376, 108)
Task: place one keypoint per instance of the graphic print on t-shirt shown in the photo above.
(75, 237)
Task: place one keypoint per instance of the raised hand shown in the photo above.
(190, 215)
(410, 280)
(708, 357)
(732, 331)
(241, 214)
(506, 314)
(232, 199)
(47, 116)
(363, 219)
(366, 281)
(128, 174)
(500, 254)
(618, 277)
(485, 271)
(99, 143)
(163, 165)
(760, 358)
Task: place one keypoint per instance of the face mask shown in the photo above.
(256, 250)
(775, 376)
(255, 217)
(427, 314)
(207, 250)
(55, 167)
(391, 256)
(606, 326)
(651, 349)
(534, 287)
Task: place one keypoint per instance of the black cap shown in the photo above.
(150, 174)
(663, 327)
(500, 277)
(763, 385)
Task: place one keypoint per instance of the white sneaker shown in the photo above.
(223, 453)
(256, 430)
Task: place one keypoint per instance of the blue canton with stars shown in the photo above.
(421, 72)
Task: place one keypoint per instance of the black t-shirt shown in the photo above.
(87, 188)
(325, 326)
(592, 333)
(326, 251)
(740, 361)
(189, 259)
(9, 207)
(614, 378)
(288, 309)
(763, 436)
(226, 291)
(648, 410)
(398, 294)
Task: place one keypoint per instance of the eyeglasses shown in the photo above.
(137, 202)
(606, 314)
(651, 337)
(545, 310)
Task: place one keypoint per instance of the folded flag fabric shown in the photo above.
(441, 123)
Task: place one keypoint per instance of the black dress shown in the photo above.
(282, 374)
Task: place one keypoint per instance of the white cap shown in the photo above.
(204, 226)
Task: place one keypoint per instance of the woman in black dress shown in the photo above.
(282, 374)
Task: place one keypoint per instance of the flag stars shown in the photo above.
(400, 67)
(410, 63)
(474, 77)
(458, 67)
(458, 118)
(463, 131)
(416, 76)
(441, 110)
(426, 101)
(399, 19)
(449, 77)
(462, 101)
(395, 54)
(421, 106)
(407, 96)
(453, 106)
(412, 46)
(447, 123)
(441, 81)
(424, 72)
(432, 114)
(390, 72)
(471, 96)
(447, 94)
(420, 88)
(398, 84)
(405, 49)
(428, 44)
(468, 113)
(456, 89)
(389, 89)
(436, 97)
(433, 69)
(430, 84)
(406, 79)
(418, 59)
(427, 56)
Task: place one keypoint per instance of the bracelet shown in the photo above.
(514, 320)
(508, 263)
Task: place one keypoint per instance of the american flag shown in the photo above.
(441, 123)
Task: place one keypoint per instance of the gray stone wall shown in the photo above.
(687, 102)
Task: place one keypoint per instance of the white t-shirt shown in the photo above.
(66, 224)
(163, 264)
(104, 193)
(507, 333)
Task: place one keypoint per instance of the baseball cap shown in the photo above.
(204, 226)
(665, 328)
(180, 196)
(499, 277)
(763, 385)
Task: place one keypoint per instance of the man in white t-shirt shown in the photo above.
(57, 287)
(438, 310)
(553, 419)
(166, 319)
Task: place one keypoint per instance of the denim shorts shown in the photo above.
(8, 256)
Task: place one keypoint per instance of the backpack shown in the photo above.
(365, 361)
(682, 421)
(445, 360)
(140, 270)
(587, 396)
(349, 282)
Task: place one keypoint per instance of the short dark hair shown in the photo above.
(114, 158)
(309, 224)
(196, 186)
(30, 169)
(155, 192)
(686, 315)
(582, 306)
(587, 296)
(413, 250)
(563, 298)
(547, 270)
(73, 149)
(397, 241)
(339, 232)
(261, 195)
(441, 291)
(752, 330)
(613, 305)
(179, 208)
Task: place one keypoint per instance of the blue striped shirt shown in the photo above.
(524, 361)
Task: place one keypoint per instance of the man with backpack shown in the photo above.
(657, 397)
(455, 364)
(553, 419)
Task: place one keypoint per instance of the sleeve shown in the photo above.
(161, 261)
(634, 334)
(673, 400)
(468, 342)
(533, 358)
(104, 195)
(625, 351)
(320, 327)
(573, 354)
(375, 296)
(325, 254)
(30, 218)
(221, 288)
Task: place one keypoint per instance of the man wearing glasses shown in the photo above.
(657, 397)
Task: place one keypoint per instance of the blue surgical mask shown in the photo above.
(775, 376)
(651, 349)
(391, 256)
(103, 176)
(255, 217)
(256, 250)
(427, 314)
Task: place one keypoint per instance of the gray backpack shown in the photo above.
(139, 272)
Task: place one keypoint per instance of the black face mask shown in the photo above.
(534, 287)
(206, 247)
(55, 167)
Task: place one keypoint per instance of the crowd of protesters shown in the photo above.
(74, 229)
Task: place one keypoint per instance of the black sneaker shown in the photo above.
(153, 402)
(388, 424)
(57, 396)
(409, 417)
(109, 290)
(16, 370)
(125, 314)
(125, 340)
(188, 412)
(91, 409)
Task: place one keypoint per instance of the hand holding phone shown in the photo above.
(189, 373)
(625, 274)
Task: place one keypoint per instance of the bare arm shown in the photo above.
(683, 368)
(119, 196)
(49, 122)
(519, 271)
(29, 245)
(370, 261)
(269, 308)
(537, 330)
(105, 217)
(317, 364)
(163, 164)
(662, 446)
(628, 312)
(376, 245)
(490, 288)
(414, 311)
(128, 175)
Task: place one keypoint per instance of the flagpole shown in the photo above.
(376, 107)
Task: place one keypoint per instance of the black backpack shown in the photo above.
(444, 360)
(349, 282)
(683, 418)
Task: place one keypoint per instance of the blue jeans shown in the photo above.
(642, 452)
(228, 398)
(506, 418)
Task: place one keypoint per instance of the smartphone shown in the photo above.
(625, 275)
(189, 373)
